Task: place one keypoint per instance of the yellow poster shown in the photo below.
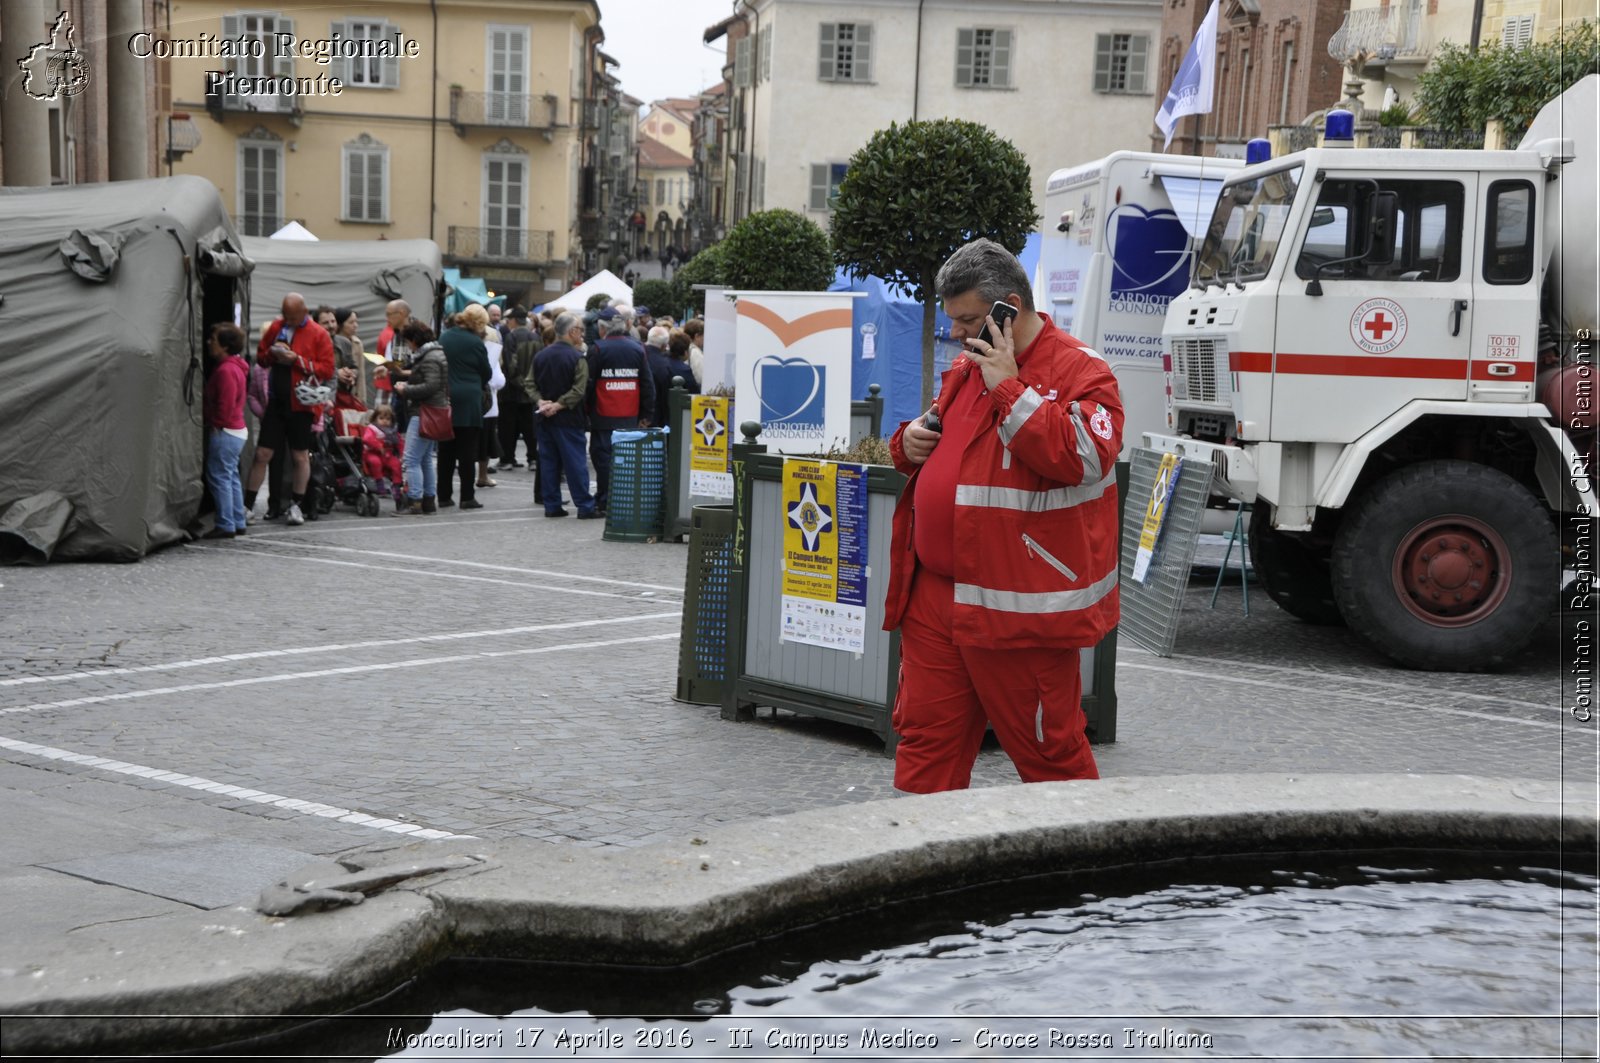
(824, 555)
(710, 474)
(810, 535)
(1155, 513)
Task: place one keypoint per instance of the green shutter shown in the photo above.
(391, 65)
(741, 63)
(819, 186)
(1102, 62)
(1000, 66)
(283, 65)
(231, 30)
(862, 70)
(964, 47)
(1138, 58)
(825, 52)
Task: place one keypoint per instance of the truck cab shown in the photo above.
(1364, 328)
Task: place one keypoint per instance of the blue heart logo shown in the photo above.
(790, 390)
(1150, 251)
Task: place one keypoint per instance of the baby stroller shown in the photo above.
(336, 470)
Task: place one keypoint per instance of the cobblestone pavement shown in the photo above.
(498, 674)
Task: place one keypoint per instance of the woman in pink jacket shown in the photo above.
(225, 431)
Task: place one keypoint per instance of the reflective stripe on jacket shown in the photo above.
(1036, 550)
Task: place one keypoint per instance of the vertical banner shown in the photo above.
(710, 457)
(825, 554)
(1155, 513)
(717, 343)
(792, 359)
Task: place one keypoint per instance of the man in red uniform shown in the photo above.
(1005, 540)
(297, 350)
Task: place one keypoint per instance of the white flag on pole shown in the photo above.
(1191, 90)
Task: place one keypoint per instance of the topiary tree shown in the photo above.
(596, 301)
(659, 295)
(919, 191)
(708, 267)
(1463, 89)
(777, 251)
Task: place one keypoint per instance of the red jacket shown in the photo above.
(224, 403)
(1036, 549)
(314, 348)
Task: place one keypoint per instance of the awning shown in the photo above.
(1193, 199)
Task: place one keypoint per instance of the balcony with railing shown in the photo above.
(503, 110)
(1379, 36)
(488, 244)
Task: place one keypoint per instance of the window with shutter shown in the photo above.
(1517, 31)
(845, 51)
(366, 180)
(861, 69)
(260, 199)
(826, 51)
(983, 58)
(506, 101)
(819, 186)
(369, 71)
(741, 63)
(1121, 62)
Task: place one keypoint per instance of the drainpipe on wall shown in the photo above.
(755, 82)
(916, 67)
(433, 132)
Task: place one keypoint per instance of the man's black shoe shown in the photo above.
(446, 503)
(557, 513)
(593, 514)
(471, 503)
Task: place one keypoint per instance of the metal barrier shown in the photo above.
(708, 613)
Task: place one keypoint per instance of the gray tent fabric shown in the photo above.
(30, 528)
(101, 400)
(91, 255)
(363, 275)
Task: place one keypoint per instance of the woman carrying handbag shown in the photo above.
(426, 390)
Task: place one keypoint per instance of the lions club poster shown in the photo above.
(824, 554)
(710, 474)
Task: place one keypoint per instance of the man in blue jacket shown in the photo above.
(622, 394)
(560, 381)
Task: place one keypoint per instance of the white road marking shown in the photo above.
(403, 524)
(342, 647)
(1346, 695)
(240, 793)
(392, 570)
(354, 669)
(387, 555)
(1344, 677)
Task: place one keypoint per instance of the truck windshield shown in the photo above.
(1246, 228)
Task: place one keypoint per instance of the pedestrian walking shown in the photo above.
(1010, 565)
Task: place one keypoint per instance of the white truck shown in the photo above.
(1390, 353)
(1118, 242)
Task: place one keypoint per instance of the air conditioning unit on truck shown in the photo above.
(1390, 353)
(1118, 240)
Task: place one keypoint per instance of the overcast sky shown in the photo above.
(659, 46)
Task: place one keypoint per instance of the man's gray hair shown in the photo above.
(660, 336)
(564, 323)
(987, 268)
(615, 327)
(624, 310)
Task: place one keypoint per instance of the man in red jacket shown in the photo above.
(1004, 559)
(298, 351)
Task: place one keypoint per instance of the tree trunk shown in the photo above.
(928, 310)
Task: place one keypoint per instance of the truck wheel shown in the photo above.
(1293, 574)
(1447, 566)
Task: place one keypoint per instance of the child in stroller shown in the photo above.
(381, 446)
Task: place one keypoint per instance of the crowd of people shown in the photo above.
(551, 381)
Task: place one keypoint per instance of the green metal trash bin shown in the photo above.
(637, 505)
(707, 606)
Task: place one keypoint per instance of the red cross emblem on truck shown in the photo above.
(1378, 325)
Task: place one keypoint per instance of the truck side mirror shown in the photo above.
(1383, 213)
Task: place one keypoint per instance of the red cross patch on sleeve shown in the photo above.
(1100, 423)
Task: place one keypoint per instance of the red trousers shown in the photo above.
(381, 466)
(947, 694)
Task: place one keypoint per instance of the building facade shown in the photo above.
(77, 105)
(469, 122)
(810, 81)
(664, 187)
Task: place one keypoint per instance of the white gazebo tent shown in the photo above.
(604, 281)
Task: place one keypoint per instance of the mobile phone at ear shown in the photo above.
(1001, 312)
